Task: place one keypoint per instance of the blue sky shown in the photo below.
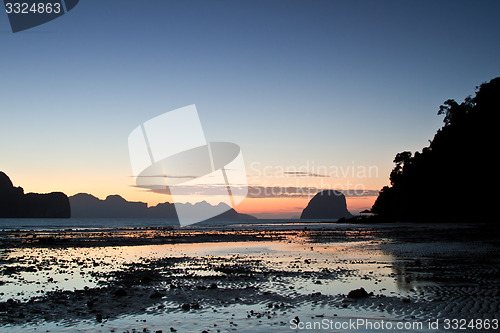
(290, 81)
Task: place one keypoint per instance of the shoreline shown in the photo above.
(322, 231)
(416, 273)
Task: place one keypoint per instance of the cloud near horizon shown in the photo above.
(257, 191)
(304, 174)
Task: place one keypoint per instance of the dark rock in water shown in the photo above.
(120, 293)
(229, 214)
(15, 204)
(156, 294)
(359, 293)
(329, 204)
(186, 306)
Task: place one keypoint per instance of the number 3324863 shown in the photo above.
(35, 8)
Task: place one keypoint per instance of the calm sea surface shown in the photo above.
(112, 223)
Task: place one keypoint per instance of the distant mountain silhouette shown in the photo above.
(15, 204)
(114, 206)
(87, 205)
(328, 204)
(454, 176)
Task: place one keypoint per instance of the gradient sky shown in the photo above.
(297, 84)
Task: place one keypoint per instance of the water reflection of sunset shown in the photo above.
(294, 252)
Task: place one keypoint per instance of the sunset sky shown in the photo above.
(318, 94)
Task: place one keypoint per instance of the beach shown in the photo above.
(249, 166)
(259, 277)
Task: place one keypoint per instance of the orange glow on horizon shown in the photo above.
(292, 207)
(99, 185)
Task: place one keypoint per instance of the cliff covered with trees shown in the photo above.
(454, 178)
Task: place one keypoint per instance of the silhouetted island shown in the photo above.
(15, 204)
(84, 205)
(451, 179)
(328, 204)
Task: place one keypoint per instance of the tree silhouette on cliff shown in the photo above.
(455, 176)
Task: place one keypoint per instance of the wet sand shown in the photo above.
(247, 278)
